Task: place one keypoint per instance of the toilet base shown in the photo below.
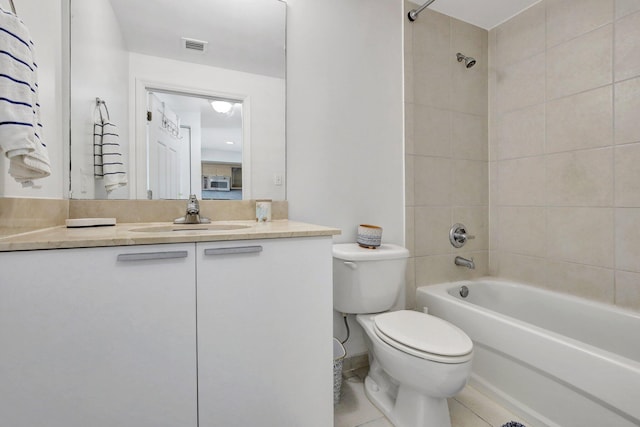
(407, 408)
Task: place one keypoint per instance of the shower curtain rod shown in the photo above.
(413, 14)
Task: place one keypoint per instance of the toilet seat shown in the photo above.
(424, 336)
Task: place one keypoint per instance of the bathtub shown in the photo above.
(554, 359)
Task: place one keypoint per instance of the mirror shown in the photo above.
(126, 52)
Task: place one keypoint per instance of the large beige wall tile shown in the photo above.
(522, 268)
(624, 7)
(433, 181)
(567, 19)
(627, 175)
(441, 268)
(469, 91)
(469, 136)
(476, 219)
(522, 230)
(410, 230)
(628, 289)
(431, 227)
(522, 36)
(432, 81)
(580, 178)
(585, 281)
(582, 235)
(409, 145)
(431, 33)
(521, 84)
(470, 86)
(584, 120)
(410, 284)
(627, 48)
(408, 79)
(470, 182)
(431, 60)
(409, 187)
(580, 64)
(432, 131)
(521, 133)
(628, 239)
(521, 182)
(627, 111)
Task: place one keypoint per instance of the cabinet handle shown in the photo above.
(233, 250)
(145, 256)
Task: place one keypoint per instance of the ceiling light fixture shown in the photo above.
(230, 142)
(222, 107)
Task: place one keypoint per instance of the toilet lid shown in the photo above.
(424, 336)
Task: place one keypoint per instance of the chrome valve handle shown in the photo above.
(458, 235)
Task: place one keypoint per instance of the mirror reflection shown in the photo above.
(153, 60)
(194, 147)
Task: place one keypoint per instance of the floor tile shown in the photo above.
(470, 408)
(354, 408)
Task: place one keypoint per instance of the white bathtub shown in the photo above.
(554, 359)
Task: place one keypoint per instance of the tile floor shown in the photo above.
(469, 409)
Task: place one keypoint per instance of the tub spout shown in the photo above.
(463, 262)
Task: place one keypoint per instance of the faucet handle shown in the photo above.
(458, 235)
(193, 207)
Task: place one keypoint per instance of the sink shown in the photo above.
(190, 228)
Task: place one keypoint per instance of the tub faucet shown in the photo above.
(193, 213)
(463, 262)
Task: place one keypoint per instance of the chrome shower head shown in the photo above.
(468, 61)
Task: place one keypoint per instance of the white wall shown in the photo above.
(345, 115)
(264, 100)
(44, 20)
(100, 69)
(345, 119)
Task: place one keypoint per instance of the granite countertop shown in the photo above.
(125, 234)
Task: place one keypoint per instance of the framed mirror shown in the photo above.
(136, 60)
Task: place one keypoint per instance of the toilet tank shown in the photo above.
(367, 280)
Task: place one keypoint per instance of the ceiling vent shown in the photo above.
(193, 45)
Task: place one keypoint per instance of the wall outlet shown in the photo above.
(277, 179)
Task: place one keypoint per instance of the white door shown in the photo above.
(165, 148)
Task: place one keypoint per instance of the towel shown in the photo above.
(20, 125)
(108, 161)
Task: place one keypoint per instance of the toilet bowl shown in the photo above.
(416, 361)
(410, 377)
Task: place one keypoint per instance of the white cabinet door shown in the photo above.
(264, 333)
(90, 340)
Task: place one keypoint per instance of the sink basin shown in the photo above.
(190, 228)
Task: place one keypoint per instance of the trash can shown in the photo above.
(339, 354)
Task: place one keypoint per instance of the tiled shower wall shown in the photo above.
(563, 183)
(564, 148)
(446, 147)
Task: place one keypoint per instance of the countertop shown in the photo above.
(62, 237)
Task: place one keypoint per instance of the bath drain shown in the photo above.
(464, 292)
(513, 424)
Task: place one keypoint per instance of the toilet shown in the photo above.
(416, 361)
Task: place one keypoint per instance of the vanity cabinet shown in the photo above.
(98, 337)
(234, 333)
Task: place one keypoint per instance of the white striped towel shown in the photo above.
(20, 126)
(108, 159)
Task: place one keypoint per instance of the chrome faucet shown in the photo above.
(193, 213)
(463, 262)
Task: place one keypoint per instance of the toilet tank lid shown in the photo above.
(355, 252)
